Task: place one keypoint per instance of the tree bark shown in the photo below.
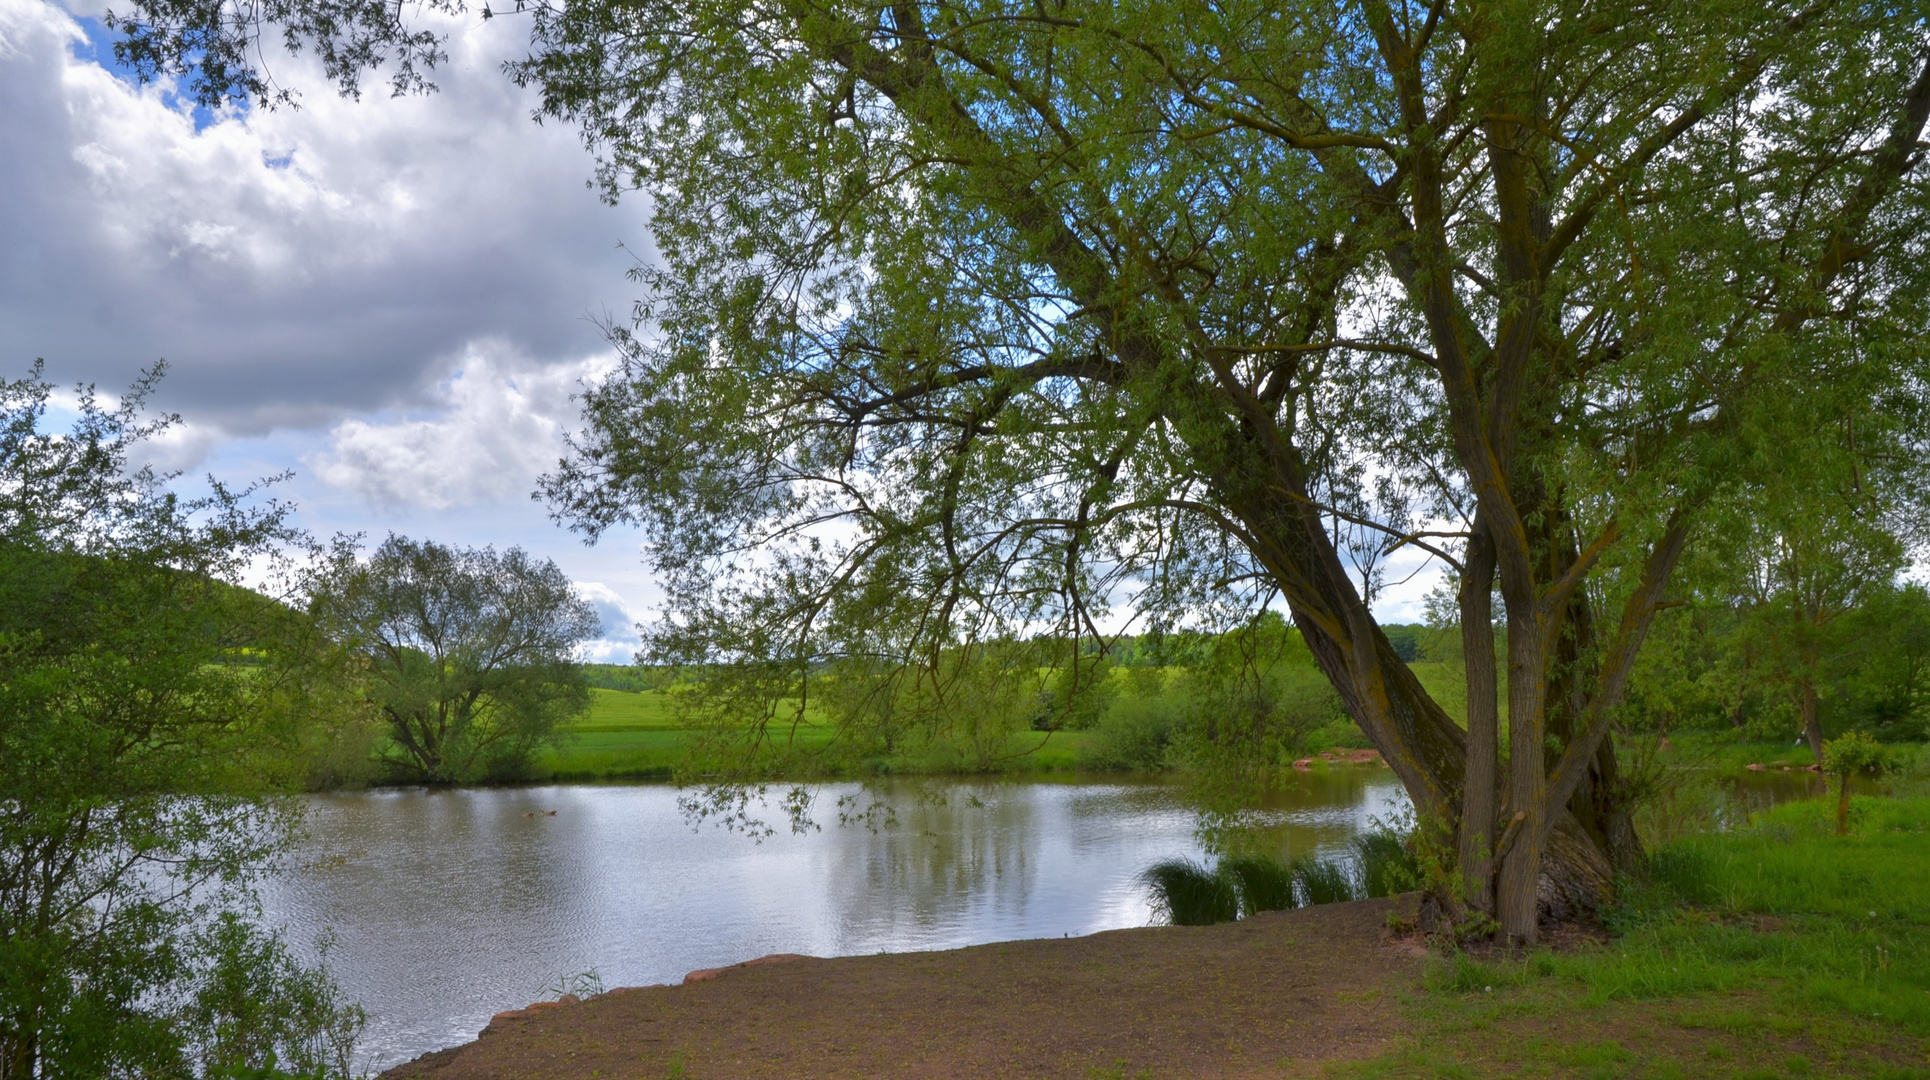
(1478, 800)
(1517, 888)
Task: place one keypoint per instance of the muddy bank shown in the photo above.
(1268, 996)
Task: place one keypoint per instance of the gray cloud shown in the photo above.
(296, 268)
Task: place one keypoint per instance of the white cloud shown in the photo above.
(396, 295)
(500, 426)
(619, 642)
(181, 448)
(297, 267)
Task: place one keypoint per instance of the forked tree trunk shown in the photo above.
(1261, 481)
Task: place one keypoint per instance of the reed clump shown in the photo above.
(1263, 883)
(1190, 893)
(1386, 865)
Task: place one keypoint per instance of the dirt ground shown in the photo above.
(1270, 996)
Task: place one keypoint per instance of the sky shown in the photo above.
(393, 299)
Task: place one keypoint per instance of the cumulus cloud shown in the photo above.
(619, 642)
(500, 426)
(296, 267)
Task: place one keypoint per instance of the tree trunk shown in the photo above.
(1606, 813)
(1517, 890)
(1812, 728)
(1600, 805)
(1478, 801)
(1576, 874)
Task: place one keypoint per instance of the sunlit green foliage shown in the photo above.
(150, 710)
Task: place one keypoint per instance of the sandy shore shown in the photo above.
(1270, 996)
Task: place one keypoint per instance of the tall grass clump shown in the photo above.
(1323, 881)
(1264, 884)
(1386, 866)
(1189, 894)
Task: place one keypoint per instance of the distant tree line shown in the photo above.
(629, 678)
(1411, 642)
(1740, 663)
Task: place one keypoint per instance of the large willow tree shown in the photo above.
(974, 318)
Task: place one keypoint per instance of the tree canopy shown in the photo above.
(975, 318)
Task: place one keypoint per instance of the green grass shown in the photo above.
(619, 710)
(625, 736)
(1323, 881)
(637, 735)
(1779, 950)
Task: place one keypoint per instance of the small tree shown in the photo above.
(471, 653)
(142, 694)
(1854, 752)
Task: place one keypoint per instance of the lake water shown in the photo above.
(449, 906)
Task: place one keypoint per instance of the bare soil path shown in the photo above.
(1270, 996)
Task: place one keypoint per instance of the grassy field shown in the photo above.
(1778, 950)
(635, 735)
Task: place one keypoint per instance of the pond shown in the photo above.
(449, 906)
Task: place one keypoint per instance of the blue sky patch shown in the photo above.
(98, 48)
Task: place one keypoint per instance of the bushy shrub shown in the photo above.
(1135, 733)
(150, 710)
